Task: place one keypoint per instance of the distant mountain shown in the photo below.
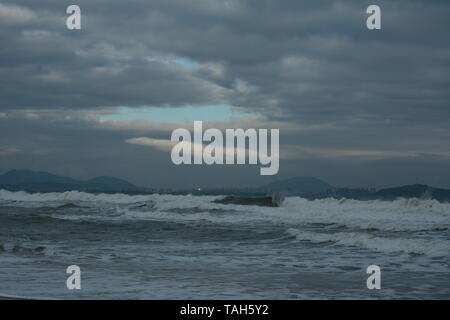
(314, 188)
(110, 182)
(308, 187)
(297, 185)
(418, 191)
(46, 182)
(414, 191)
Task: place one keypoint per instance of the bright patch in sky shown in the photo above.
(187, 63)
(175, 114)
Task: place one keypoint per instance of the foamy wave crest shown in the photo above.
(398, 215)
(363, 240)
(403, 215)
(77, 196)
(73, 196)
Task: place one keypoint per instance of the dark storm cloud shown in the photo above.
(301, 63)
(298, 58)
(81, 149)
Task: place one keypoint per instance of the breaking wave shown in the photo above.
(381, 244)
(402, 215)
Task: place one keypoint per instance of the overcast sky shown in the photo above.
(354, 107)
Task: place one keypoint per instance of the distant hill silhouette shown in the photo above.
(313, 188)
(32, 181)
(409, 191)
(297, 185)
(307, 187)
(108, 182)
(414, 191)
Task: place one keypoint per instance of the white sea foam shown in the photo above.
(382, 244)
(74, 196)
(280, 240)
(400, 215)
(396, 216)
(77, 196)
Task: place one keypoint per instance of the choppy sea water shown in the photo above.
(187, 247)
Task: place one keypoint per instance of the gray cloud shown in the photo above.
(301, 64)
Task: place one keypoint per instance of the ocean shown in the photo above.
(188, 247)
